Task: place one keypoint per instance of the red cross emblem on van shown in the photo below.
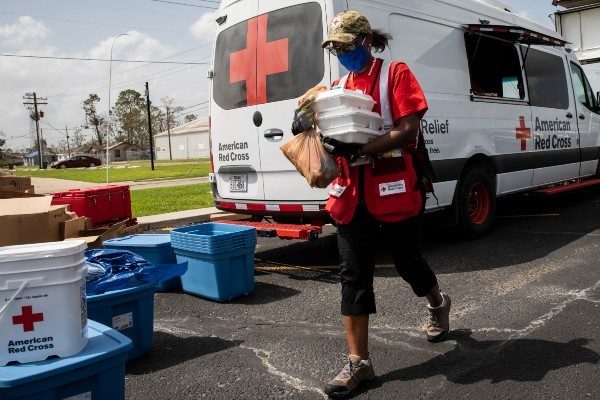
(523, 133)
(258, 60)
(27, 318)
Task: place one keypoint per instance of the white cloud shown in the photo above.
(525, 14)
(204, 27)
(67, 84)
(26, 29)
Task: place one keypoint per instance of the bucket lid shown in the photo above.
(140, 240)
(41, 250)
(103, 343)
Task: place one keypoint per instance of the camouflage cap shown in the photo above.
(346, 27)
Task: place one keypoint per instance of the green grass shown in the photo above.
(120, 172)
(169, 199)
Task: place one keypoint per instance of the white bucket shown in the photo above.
(43, 309)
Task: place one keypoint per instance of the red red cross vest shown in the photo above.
(390, 185)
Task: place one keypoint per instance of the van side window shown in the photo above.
(494, 67)
(546, 79)
(582, 88)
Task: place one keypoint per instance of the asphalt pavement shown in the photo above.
(525, 318)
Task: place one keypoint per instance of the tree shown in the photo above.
(130, 116)
(2, 150)
(172, 111)
(91, 116)
(2, 142)
(190, 117)
(77, 138)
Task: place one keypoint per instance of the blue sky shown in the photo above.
(85, 28)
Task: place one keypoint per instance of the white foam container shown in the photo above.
(344, 116)
(336, 98)
(43, 309)
(352, 134)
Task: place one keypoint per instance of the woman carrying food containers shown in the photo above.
(383, 194)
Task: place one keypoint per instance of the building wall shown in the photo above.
(183, 146)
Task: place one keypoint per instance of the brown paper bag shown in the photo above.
(309, 157)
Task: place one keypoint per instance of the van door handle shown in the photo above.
(569, 115)
(581, 116)
(273, 133)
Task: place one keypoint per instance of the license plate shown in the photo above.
(238, 183)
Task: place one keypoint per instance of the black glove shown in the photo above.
(336, 148)
(303, 121)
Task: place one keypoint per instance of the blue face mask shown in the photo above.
(355, 60)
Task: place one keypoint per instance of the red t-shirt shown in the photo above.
(408, 97)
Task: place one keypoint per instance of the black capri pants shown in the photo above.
(357, 244)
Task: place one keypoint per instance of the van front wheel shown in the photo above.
(476, 203)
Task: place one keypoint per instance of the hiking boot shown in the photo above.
(439, 320)
(353, 373)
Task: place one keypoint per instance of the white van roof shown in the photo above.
(498, 4)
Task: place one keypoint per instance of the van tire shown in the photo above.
(476, 203)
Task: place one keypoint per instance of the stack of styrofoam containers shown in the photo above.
(346, 116)
(155, 248)
(129, 311)
(97, 372)
(220, 259)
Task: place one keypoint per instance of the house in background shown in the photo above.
(186, 141)
(122, 151)
(32, 159)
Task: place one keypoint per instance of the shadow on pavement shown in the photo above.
(529, 227)
(170, 350)
(265, 293)
(471, 361)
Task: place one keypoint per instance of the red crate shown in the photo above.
(90, 202)
(119, 198)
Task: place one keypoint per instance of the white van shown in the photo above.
(510, 107)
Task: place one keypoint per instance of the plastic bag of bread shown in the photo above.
(305, 151)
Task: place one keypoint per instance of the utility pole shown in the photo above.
(29, 97)
(68, 148)
(150, 127)
(169, 133)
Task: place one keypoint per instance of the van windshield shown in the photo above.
(272, 57)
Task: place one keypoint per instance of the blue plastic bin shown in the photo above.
(129, 311)
(220, 277)
(97, 372)
(212, 238)
(155, 248)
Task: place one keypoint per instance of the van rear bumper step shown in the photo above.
(282, 231)
(570, 186)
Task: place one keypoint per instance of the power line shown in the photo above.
(98, 59)
(128, 82)
(125, 9)
(188, 4)
(141, 28)
(79, 83)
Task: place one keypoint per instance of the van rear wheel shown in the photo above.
(476, 203)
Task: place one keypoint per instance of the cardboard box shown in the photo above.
(30, 220)
(19, 183)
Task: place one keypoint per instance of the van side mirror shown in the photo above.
(598, 100)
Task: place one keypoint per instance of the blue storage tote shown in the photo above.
(220, 277)
(212, 238)
(155, 248)
(129, 311)
(97, 372)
